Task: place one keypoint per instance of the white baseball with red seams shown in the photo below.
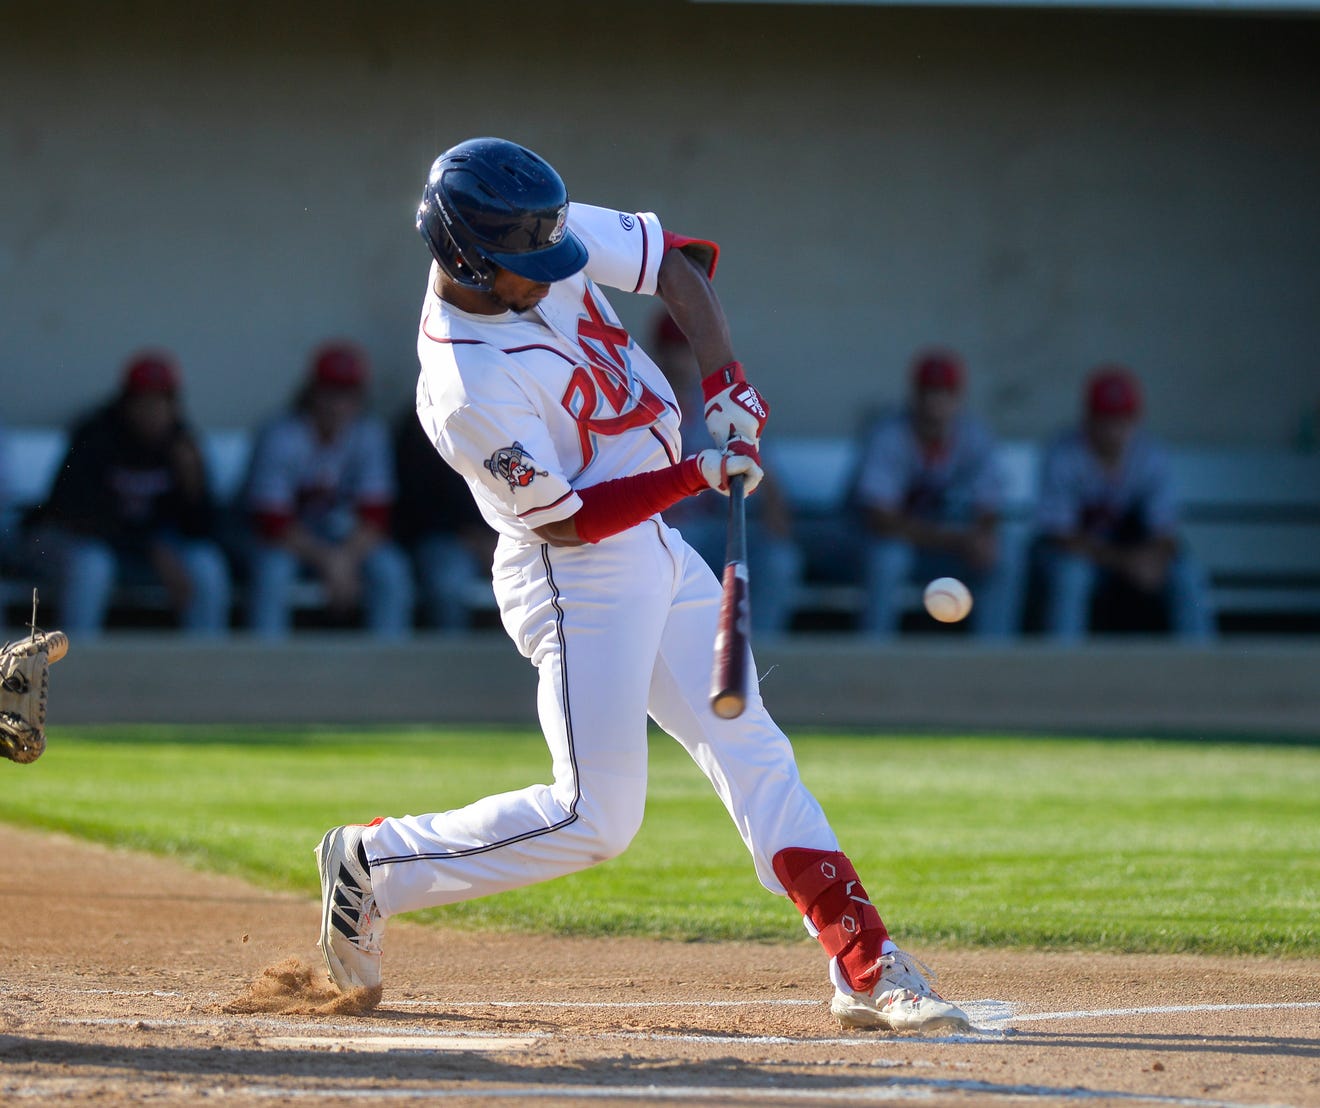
(527, 407)
(947, 599)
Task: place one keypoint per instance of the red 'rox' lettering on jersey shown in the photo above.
(600, 396)
(595, 329)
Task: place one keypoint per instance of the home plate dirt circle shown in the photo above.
(125, 978)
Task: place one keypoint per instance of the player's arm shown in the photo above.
(614, 506)
(734, 409)
(695, 306)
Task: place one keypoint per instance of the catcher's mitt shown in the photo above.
(24, 675)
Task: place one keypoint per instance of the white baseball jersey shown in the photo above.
(950, 484)
(526, 406)
(1079, 495)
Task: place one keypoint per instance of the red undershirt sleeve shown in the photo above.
(614, 506)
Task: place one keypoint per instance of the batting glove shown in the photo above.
(733, 407)
(717, 466)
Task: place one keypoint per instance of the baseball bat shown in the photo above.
(728, 679)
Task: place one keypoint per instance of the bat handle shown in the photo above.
(728, 691)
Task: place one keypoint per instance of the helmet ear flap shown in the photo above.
(466, 267)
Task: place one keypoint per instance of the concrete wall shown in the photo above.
(1043, 190)
(1260, 689)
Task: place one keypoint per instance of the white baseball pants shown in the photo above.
(617, 630)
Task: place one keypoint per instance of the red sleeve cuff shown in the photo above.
(614, 506)
(702, 251)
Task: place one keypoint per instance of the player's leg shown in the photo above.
(887, 565)
(207, 609)
(590, 620)
(1187, 595)
(88, 569)
(446, 571)
(272, 570)
(1069, 581)
(776, 566)
(388, 593)
(751, 765)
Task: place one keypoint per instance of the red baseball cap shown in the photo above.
(340, 365)
(1113, 390)
(151, 371)
(938, 369)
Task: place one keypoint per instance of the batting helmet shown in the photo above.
(489, 202)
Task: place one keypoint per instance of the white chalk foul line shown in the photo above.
(1155, 1010)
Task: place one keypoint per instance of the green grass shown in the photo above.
(1027, 842)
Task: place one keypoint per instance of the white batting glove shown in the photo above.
(718, 466)
(734, 408)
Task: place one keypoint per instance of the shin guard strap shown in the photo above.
(827, 891)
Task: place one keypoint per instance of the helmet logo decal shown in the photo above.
(561, 225)
(514, 464)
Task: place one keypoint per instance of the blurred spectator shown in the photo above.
(775, 563)
(132, 503)
(929, 491)
(437, 522)
(320, 490)
(1108, 520)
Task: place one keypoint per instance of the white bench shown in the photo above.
(1251, 516)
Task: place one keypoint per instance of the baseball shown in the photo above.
(947, 599)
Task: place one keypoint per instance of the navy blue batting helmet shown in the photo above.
(489, 202)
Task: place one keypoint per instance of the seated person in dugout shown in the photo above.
(319, 492)
(929, 490)
(132, 503)
(1108, 523)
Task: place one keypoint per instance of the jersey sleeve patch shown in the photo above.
(515, 465)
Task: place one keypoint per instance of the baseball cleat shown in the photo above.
(351, 924)
(902, 1000)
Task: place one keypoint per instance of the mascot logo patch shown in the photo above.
(514, 464)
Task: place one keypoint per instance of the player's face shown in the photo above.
(518, 294)
(151, 415)
(1110, 435)
(935, 410)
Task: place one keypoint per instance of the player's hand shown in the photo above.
(717, 466)
(733, 408)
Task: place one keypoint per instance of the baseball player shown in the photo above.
(319, 491)
(929, 489)
(568, 437)
(1108, 515)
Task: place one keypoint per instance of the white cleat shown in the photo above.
(351, 924)
(902, 1000)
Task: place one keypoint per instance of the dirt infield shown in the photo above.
(121, 973)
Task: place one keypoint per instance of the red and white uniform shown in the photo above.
(528, 407)
(325, 486)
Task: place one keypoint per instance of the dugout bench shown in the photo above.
(1251, 516)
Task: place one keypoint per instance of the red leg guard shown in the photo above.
(827, 891)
